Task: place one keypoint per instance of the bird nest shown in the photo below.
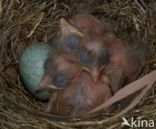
(25, 21)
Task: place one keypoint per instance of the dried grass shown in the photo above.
(25, 21)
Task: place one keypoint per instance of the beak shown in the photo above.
(66, 28)
(46, 83)
(94, 73)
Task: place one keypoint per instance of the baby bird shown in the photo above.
(88, 24)
(90, 66)
(96, 48)
(60, 69)
(106, 54)
(82, 95)
(79, 26)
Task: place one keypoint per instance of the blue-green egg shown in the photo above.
(31, 67)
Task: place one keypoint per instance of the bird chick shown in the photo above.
(124, 64)
(88, 24)
(82, 95)
(77, 27)
(96, 48)
(91, 65)
(59, 69)
(107, 55)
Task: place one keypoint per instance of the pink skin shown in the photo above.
(82, 95)
(88, 24)
(60, 63)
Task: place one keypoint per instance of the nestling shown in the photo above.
(91, 65)
(82, 95)
(60, 69)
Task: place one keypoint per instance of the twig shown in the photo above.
(37, 24)
(1, 10)
(113, 126)
(134, 102)
(141, 8)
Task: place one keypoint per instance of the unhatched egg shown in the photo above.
(31, 67)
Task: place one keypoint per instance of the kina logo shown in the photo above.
(137, 123)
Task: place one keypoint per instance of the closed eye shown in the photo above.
(72, 42)
(60, 79)
(85, 58)
(105, 56)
